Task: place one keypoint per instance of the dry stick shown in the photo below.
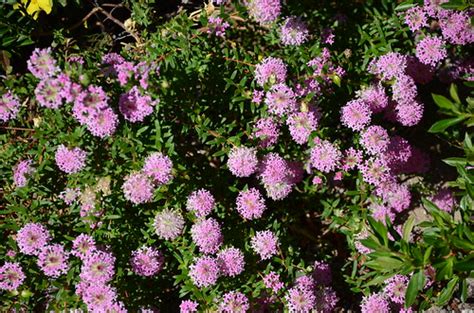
(119, 23)
(17, 128)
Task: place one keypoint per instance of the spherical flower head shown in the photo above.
(281, 100)
(70, 161)
(301, 125)
(270, 71)
(416, 18)
(389, 65)
(188, 306)
(11, 276)
(374, 303)
(456, 27)
(272, 281)
(138, 188)
(102, 123)
(322, 274)
(21, 172)
(326, 300)
(98, 267)
(381, 212)
(293, 32)
(325, 156)
(147, 261)
(217, 26)
(267, 131)
(201, 202)
(234, 302)
(397, 196)
(396, 287)
(168, 224)
(404, 89)
(134, 106)
(70, 195)
(48, 93)
(53, 260)
(231, 261)
(409, 114)
(352, 159)
(83, 245)
(204, 272)
(41, 64)
(99, 297)
(273, 169)
(375, 140)
(444, 200)
(207, 235)
(305, 282)
(398, 153)
(250, 204)
(88, 102)
(31, 238)
(265, 244)
(279, 190)
(158, 167)
(9, 106)
(356, 114)
(375, 97)
(374, 171)
(242, 161)
(300, 300)
(264, 11)
(431, 50)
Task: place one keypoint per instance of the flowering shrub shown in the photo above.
(248, 156)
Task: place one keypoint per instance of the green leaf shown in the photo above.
(443, 102)
(455, 161)
(404, 6)
(447, 292)
(443, 124)
(385, 264)
(453, 91)
(417, 282)
(408, 227)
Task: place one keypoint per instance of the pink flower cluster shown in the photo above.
(207, 235)
(264, 11)
(217, 26)
(265, 244)
(293, 32)
(201, 202)
(250, 204)
(147, 261)
(139, 187)
(70, 161)
(168, 224)
(9, 106)
(21, 172)
(134, 106)
(11, 276)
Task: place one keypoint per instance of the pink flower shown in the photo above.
(53, 260)
(265, 244)
(41, 64)
(388, 66)
(102, 123)
(375, 97)
(99, 297)
(356, 114)
(293, 32)
(188, 306)
(137, 188)
(83, 245)
(376, 302)
(270, 70)
(207, 235)
(234, 302)
(281, 100)
(21, 172)
(300, 299)
(9, 106)
(242, 161)
(272, 281)
(204, 272)
(267, 131)
(444, 200)
(158, 167)
(70, 160)
(31, 238)
(301, 125)
(147, 261)
(98, 267)
(217, 26)
(231, 261)
(201, 202)
(264, 11)
(11, 276)
(396, 287)
(375, 140)
(250, 204)
(88, 102)
(416, 18)
(431, 50)
(325, 156)
(134, 106)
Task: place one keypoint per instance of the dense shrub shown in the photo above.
(247, 156)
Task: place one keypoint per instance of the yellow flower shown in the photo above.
(36, 6)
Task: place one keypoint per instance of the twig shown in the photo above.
(18, 128)
(119, 23)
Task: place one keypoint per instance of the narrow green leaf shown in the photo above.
(408, 227)
(447, 292)
(443, 124)
(443, 102)
(417, 282)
